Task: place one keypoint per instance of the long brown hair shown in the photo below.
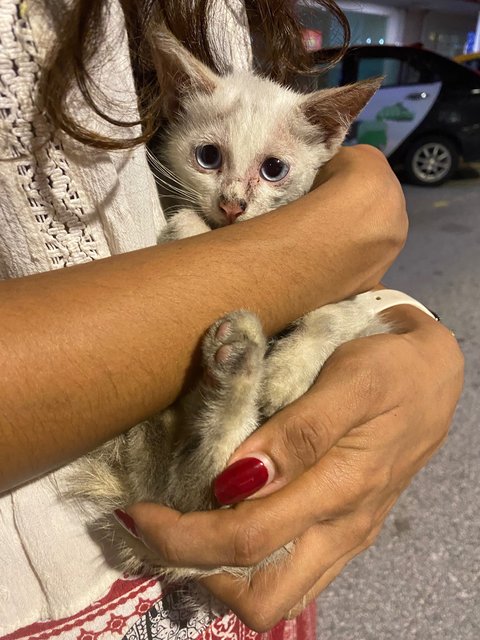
(82, 27)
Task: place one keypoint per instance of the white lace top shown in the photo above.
(62, 205)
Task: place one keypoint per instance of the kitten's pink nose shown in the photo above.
(232, 209)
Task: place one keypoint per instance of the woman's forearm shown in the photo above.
(89, 351)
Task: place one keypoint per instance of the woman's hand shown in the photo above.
(342, 455)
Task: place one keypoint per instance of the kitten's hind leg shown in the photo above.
(294, 362)
(221, 412)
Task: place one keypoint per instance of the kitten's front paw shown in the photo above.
(233, 346)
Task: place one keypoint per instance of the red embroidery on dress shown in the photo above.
(230, 628)
(115, 623)
(121, 592)
(128, 601)
(142, 607)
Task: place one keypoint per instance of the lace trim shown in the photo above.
(28, 137)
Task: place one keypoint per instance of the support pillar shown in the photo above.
(476, 46)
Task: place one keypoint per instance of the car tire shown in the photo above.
(431, 161)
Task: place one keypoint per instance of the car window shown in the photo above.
(323, 79)
(473, 64)
(397, 72)
(330, 78)
(310, 83)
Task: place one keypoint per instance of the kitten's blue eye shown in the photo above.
(208, 156)
(274, 169)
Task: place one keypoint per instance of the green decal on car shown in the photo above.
(397, 112)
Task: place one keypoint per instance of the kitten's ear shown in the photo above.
(179, 72)
(332, 111)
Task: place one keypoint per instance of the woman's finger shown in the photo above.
(330, 575)
(337, 567)
(275, 590)
(241, 536)
(266, 598)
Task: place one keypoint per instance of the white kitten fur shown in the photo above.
(174, 457)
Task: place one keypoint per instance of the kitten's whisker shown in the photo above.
(181, 203)
(168, 182)
(157, 163)
(166, 171)
(185, 195)
(161, 167)
(159, 170)
(172, 187)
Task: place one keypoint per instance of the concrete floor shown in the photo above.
(421, 580)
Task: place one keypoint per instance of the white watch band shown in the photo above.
(386, 298)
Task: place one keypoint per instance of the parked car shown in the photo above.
(470, 60)
(426, 115)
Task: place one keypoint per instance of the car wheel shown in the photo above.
(431, 161)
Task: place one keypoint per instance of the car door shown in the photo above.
(404, 100)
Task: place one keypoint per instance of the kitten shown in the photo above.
(239, 146)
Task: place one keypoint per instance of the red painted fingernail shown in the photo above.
(243, 478)
(126, 521)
